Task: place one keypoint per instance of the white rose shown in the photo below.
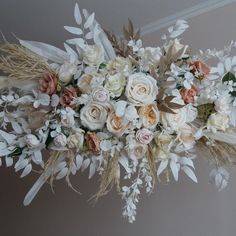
(174, 47)
(141, 89)
(100, 94)
(144, 136)
(117, 125)
(115, 84)
(120, 65)
(150, 55)
(149, 115)
(32, 141)
(174, 121)
(76, 139)
(93, 55)
(60, 140)
(93, 116)
(66, 72)
(218, 121)
(67, 117)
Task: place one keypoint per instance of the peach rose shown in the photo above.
(93, 142)
(149, 115)
(48, 84)
(117, 125)
(68, 95)
(188, 95)
(202, 69)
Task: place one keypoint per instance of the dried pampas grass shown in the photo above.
(109, 178)
(21, 64)
(219, 153)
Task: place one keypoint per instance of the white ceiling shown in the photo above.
(44, 20)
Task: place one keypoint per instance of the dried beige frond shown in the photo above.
(121, 44)
(220, 153)
(19, 63)
(109, 178)
(152, 163)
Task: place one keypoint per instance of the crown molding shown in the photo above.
(185, 15)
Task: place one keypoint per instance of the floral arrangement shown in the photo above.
(134, 115)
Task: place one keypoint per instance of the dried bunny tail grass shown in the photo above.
(19, 63)
(221, 153)
(109, 178)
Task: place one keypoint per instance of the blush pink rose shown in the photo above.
(144, 136)
(68, 96)
(202, 68)
(48, 84)
(188, 95)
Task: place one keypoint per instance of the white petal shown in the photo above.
(73, 30)
(79, 160)
(175, 169)
(62, 173)
(188, 171)
(85, 164)
(26, 171)
(92, 170)
(162, 166)
(77, 14)
(89, 21)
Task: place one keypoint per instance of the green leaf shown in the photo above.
(17, 152)
(102, 66)
(229, 76)
(205, 110)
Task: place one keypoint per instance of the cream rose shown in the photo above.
(117, 125)
(93, 55)
(174, 47)
(87, 82)
(174, 121)
(115, 84)
(144, 136)
(218, 121)
(163, 140)
(66, 72)
(141, 89)
(100, 94)
(149, 116)
(60, 140)
(120, 65)
(93, 116)
(187, 136)
(76, 139)
(138, 151)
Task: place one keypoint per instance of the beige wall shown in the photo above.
(179, 209)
